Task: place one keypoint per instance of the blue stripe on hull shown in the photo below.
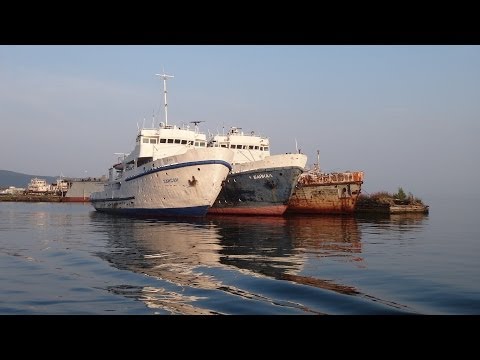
(113, 199)
(195, 211)
(181, 165)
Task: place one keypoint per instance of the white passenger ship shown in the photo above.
(171, 172)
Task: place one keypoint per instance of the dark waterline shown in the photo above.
(58, 258)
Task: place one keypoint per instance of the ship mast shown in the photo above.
(165, 77)
(318, 160)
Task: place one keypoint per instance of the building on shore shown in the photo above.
(12, 190)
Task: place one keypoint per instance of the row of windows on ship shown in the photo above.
(151, 140)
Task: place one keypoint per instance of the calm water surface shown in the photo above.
(68, 259)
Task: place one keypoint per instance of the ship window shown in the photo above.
(223, 145)
(177, 141)
(196, 143)
(250, 147)
(256, 147)
(163, 141)
(190, 142)
(170, 141)
(244, 146)
(153, 141)
(184, 142)
(145, 141)
(143, 160)
(265, 148)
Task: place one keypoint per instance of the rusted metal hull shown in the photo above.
(392, 209)
(326, 193)
(389, 204)
(402, 209)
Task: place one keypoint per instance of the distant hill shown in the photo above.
(11, 178)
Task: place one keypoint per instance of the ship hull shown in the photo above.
(260, 187)
(180, 185)
(80, 191)
(313, 196)
(76, 199)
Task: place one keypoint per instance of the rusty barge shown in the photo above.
(326, 193)
(386, 203)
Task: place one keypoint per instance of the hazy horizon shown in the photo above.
(405, 115)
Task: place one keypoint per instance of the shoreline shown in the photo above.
(37, 198)
(361, 209)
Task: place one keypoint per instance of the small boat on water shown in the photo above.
(326, 193)
(259, 183)
(170, 172)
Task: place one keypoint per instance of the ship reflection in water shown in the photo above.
(281, 246)
(407, 222)
(169, 251)
(213, 265)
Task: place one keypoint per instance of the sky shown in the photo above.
(408, 116)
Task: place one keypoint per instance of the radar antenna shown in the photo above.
(195, 123)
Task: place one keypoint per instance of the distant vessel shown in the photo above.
(38, 186)
(171, 172)
(79, 190)
(259, 183)
(326, 193)
(60, 187)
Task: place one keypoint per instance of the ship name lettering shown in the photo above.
(262, 176)
(171, 180)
